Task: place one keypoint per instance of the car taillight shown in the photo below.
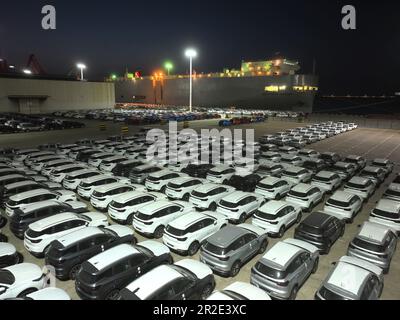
(223, 258)
(283, 284)
(182, 239)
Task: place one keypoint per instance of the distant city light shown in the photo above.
(169, 66)
(114, 76)
(27, 71)
(81, 66)
(191, 53)
(12, 67)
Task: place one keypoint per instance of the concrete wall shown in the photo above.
(62, 95)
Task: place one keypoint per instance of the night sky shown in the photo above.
(111, 35)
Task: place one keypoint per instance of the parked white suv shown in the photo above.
(343, 204)
(25, 198)
(20, 280)
(276, 217)
(273, 188)
(58, 174)
(152, 219)
(73, 179)
(123, 208)
(86, 186)
(208, 195)
(41, 233)
(361, 186)
(180, 188)
(220, 174)
(305, 196)
(296, 175)
(186, 233)
(158, 181)
(103, 195)
(239, 205)
(327, 181)
(387, 213)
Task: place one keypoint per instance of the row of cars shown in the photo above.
(225, 249)
(17, 123)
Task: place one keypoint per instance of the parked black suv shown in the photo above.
(103, 276)
(85, 155)
(315, 165)
(123, 169)
(198, 170)
(67, 254)
(320, 229)
(20, 220)
(247, 183)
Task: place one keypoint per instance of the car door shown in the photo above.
(207, 227)
(251, 245)
(290, 215)
(368, 292)
(307, 265)
(330, 232)
(185, 289)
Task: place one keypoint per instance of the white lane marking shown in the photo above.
(389, 154)
(378, 145)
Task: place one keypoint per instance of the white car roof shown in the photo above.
(76, 236)
(7, 249)
(294, 169)
(374, 232)
(29, 194)
(53, 220)
(49, 294)
(237, 196)
(107, 257)
(372, 169)
(82, 171)
(152, 280)
(271, 180)
(246, 290)
(342, 196)
(20, 184)
(161, 173)
(188, 219)
(127, 196)
(97, 178)
(281, 253)
(380, 160)
(111, 186)
(68, 166)
(273, 206)
(325, 174)
(359, 180)
(158, 205)
(303, 187)
(182, 180)
(388, 205)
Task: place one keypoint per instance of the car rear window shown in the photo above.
(368, 245)
(199, 194)
(297, 194)
(228, 204)
(310, 229)
(330, 295)
(6, 277)
(338, 203)
(175, 231)
(270, 272)
(391, 192)
(214, 249)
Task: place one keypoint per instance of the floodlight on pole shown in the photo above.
(82, 67)
(169, 66)
(191, 53)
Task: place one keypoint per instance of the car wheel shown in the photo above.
(315, 267)
(213, 206)
(26, 292)
(46, 250)
(298, 219)
(278, 196)
(293, 294)
(3, 238)
(163, 189)
(186, 197)
(342, 232)
(281, 232)
(193, 248)
(74, 271)
(328, 247)
(242, 218)
(207, 290)
(381, 290)
(263, 247)
(129, 221)
(3, 222)
(159, 232)
(113, 295)
(223, 226)
(235, 269)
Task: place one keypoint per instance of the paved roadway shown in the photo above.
(370, 143)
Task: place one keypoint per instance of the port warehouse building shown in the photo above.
(38, 95)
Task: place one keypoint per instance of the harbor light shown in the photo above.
(27, 71)
(191, 53)
(169, 66)
(82, 67)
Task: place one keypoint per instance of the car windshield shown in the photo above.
(368, 173)
(6, 277)
(266, 186)
(310, 229)
(370, 246)
(143, 217)
(379, 164)
(330, 295)
(322, 179)
(270, 272)
(228, 204)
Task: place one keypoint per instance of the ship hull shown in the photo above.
(243, 92)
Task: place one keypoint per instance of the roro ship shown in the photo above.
(271, 84)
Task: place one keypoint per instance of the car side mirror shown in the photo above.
(334, 263)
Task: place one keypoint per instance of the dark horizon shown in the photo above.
(143, 36)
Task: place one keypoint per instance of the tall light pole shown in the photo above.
(82, 67)
(191, 53)
(169, 66)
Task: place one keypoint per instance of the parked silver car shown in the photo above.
(227, 250)
(285, 267)
(374, 243)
